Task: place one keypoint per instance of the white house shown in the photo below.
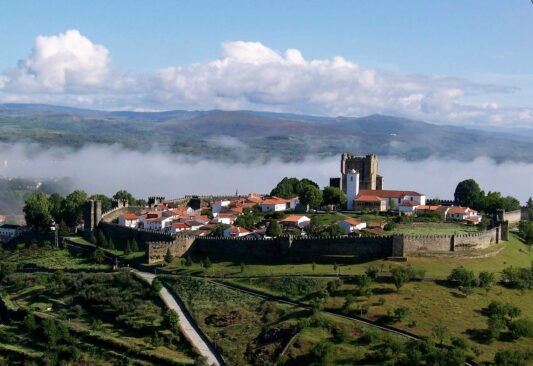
(158, 223)
(275, 204)
(8, 231)
(128, 220)
(296, 220)
(177, 227)
(394, 198)
(223, 218)
(408, 207)
(235, 232)
(463, 214)
(219, 206)
(351, 225)
(200, 219)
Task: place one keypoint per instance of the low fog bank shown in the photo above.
(106, 169)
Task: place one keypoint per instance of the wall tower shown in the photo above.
(352, 188)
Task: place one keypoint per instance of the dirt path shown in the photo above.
(194, 335)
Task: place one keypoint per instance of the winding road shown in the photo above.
(197, 339)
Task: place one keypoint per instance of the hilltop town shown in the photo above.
(360, 184)
(296, 276)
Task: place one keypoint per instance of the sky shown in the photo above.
(451, 62)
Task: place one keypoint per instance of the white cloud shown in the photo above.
(65, 62)
(70, 69)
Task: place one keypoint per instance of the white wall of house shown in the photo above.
(349, 228)
(277, 207)
(128, 223)
(219, 205)
(158, 224)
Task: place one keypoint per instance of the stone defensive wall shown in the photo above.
(121, 235)
(516, 216)
(113, 214)
(411, 244)
(297, 249)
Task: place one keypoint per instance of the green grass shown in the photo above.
(514, 253)
(433, 229)
(237, 323)
(431, 303)
(331, 218)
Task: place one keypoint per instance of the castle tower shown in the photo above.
(367, 166)
(92, 214)
(352, 188)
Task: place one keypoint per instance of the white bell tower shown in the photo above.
(352, 188)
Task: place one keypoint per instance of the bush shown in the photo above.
(521, 328)
(512, 358)
(372, 272)
(400, 276)
(463, 277)
(401, 313)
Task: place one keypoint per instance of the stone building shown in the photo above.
(366, 166)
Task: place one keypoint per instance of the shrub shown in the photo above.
(463, 277)
(400, 276)
(401, 313)
(521, 328)
(372, 272)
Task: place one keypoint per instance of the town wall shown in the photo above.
(513, 216)
(121, 234)
(114, 213)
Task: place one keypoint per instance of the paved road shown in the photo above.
(190, 331)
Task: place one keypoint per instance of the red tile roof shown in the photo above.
(129, 216)
(388, 193)
(353, 222)
(293, 218)
(275, 201)
(368, 198)
(410, 203)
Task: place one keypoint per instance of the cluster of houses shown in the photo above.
(202, 220)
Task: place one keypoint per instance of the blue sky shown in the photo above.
(465, 57)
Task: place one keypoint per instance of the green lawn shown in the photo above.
(431, 303)
(433, 229)
(331, 218)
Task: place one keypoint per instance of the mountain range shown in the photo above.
(248, 135)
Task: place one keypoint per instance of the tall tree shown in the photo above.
(125, 195)
(37, 211)
(273, 229)
(73, 207)
(311, 196)
(333, 196)
(56, 206)
(467, 193)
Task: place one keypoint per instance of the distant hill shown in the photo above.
(246, 135)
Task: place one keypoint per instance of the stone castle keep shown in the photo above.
(366, 166)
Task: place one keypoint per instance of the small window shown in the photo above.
(351, 178)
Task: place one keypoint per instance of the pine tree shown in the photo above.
(127, 248)
(207, 263)
(188, 261)
(134, 245)
(102, 241)
(110, 244)
(168, 256)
